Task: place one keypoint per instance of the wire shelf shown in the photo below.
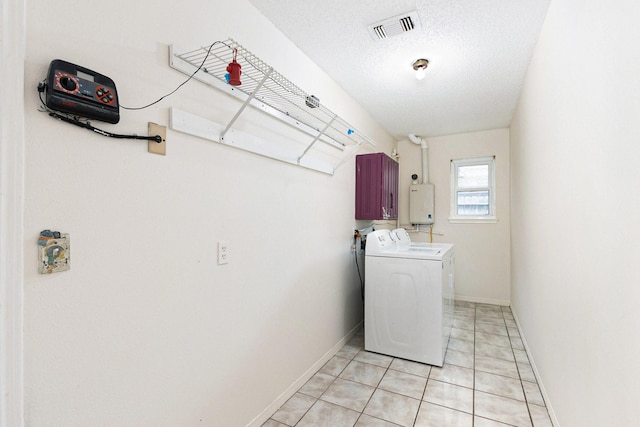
(268, 90)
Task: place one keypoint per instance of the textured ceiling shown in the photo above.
(478, 50)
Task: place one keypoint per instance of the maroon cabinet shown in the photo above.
(376, 187)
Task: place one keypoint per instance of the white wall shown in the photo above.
(12, 138)
(575, 231)
(145, 329)
(482, 250)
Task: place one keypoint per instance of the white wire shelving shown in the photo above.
(269, 91)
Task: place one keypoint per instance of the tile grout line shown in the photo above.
(374, 391)
(473, 398)
(426, 384)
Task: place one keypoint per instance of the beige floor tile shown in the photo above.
(489, 312)
(532, 391)
(499, 385)
(324, 414)
(402, 383)
(502, 409)
(516, 343)
(497, 366)
(349, 351)
(464, 323)
(348, 394)
(431, 415)
(491, 329)
(511, 323)
(540, 416)
(293, 410)
(526, 372)
(374, 358)
(393, 407)
(462, 334)
(357, 341)
(513, 331)
(495, 351)
(410, 367)
(317, 384)
(500, 340)
(454, 375)
(459, 358)
(334, 366)
(521, 356)
(460, 303)
(369, 421)
(496, 320)
(449, 395)
(483, 422)
(363, 373)
(461, 345)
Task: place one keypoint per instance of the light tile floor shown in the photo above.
(486, 381)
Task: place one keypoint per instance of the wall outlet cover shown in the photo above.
(223, 252)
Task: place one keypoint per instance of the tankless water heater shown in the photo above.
(421, 204)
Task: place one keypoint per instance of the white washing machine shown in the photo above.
(408, 298)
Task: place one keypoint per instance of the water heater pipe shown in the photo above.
(425, 155)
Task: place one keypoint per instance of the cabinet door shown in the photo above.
(390, 188)
(368, 186)
(376, 187)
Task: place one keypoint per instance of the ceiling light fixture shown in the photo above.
(420, 66)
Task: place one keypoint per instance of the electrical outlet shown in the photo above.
(223, 252)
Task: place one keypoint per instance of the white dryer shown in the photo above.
(408, 298)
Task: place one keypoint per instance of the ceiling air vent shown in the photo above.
(394, 26)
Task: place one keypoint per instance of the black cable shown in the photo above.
(181, 84)
(355, 244)
(87, 125)
(77, 122)
(360, 276)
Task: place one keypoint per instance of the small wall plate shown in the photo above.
(54, 254)
(158, 147)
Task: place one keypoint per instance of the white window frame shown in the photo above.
(453, 212)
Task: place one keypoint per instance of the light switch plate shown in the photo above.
(158, 147)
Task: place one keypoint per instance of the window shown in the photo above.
(473, 194)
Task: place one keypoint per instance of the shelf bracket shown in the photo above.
(246, 103)
(317, 138)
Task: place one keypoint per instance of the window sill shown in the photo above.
(473, 220)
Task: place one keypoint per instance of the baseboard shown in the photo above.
(483, 300)
(293, 388)
(543, 390)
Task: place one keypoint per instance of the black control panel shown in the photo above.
(77, 90)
